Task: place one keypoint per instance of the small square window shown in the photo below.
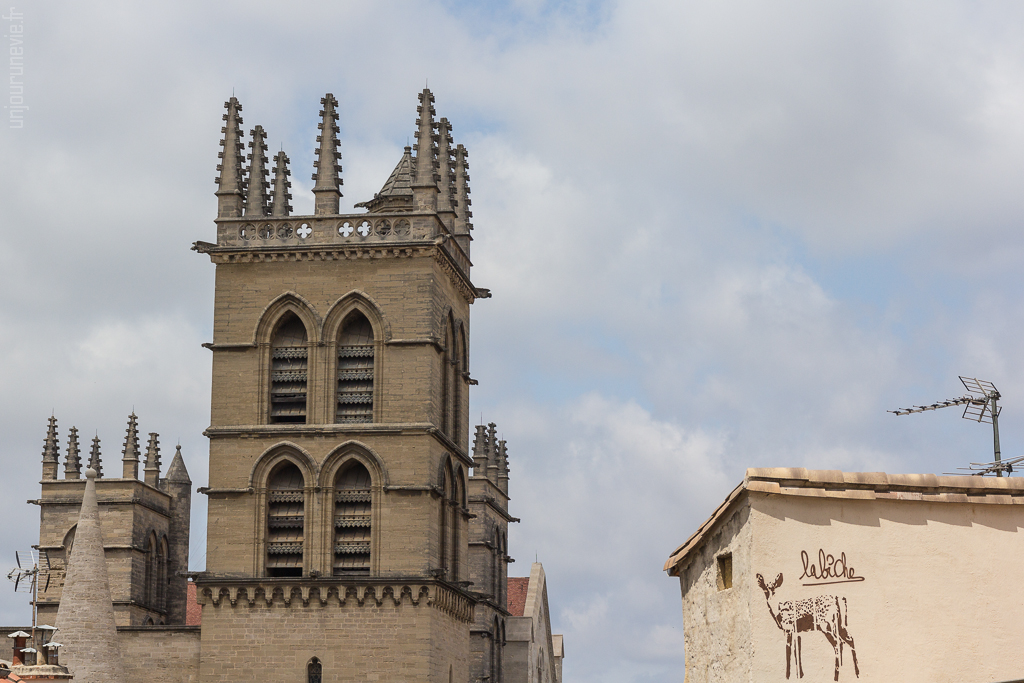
(724, 571)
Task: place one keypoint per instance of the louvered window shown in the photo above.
(355, 371)
(286, 521)
(352, 522)
(289, 372)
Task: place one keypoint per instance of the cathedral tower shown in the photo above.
(338, 539)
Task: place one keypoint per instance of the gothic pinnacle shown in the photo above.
(424, 183)
(73, 462)
(130, 452)
(50, 458)
(480, 451)
(256, 200)
(94, 457)
(282, 185)
(446, 170)
(328, 169)
(231, 184)
(152, 470)
(462, 212)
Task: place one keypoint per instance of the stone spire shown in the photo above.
(424, 182)
(257, 199)
(94, 457)
(446, 174)
(176, 472)
(462, 212)
(282, 185)
(50, 457)
(480, 451)
(231, 184)
(328, 169)
(73, 463)
(396, 195)
(492, 453)
(130, 452)
(85, 617)
(152, 469)
(502, 452)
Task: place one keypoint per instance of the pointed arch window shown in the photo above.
(289, 371)
(355, 370)
(161, 575)
(286, 521)
(149, 580)
(352, 521)
(314, 671)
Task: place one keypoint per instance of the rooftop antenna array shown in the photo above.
(26, 577)
(980, 405)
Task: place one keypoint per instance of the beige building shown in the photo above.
(352, 533)
(830, 575)
(532, 653)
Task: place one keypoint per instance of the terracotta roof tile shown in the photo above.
(193, 610)
(517, 590)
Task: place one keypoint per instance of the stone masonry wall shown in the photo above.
(160, 654)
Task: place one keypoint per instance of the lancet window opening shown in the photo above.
(286, 521)
(443, 524)
(289, 371)
(446, 377)
(161, 575)
(353, 521)
(455, 506)
(314, 671)
(456, 381)
(149, 577)
(355, 371)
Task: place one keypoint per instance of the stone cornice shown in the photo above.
(268, 592)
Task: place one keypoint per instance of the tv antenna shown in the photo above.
(26, 578)
(980, 405)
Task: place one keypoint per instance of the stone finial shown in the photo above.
(94, 457)
(257, 197)
(50, 447)
(282, 185)
(446, 201)
(463, 226)
(85, 617)
(492, 452)
(152, 469)
(230, 181)
(480, 451)
(328, 169)
(130, 452)
(502, 466)
(73, 463)
(177, 473)
(425, 178)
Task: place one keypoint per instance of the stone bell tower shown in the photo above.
(338, 540)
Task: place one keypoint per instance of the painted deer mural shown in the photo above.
(822, 613)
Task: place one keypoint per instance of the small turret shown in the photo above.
(462, 213)
(73, 462)
(130, 452)
(282, 185)
(94, 457)
(152, 469)
(257, 198)
(179, 486)
(502, 452)
(425, 178)
(50, 456)
(328, 169)
(480, 452)
(446, 201)
(230, 182)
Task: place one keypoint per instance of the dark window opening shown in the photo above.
(315, 671)
(724, 571)
(286, 522)
(352, 522)
(289, 372)
(355, 371)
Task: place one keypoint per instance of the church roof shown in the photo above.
(398, 187)
(518, 587)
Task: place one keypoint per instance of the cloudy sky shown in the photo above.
(719, 235)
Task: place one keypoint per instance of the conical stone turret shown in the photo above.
(94, 457)
(130, 452)
(282, 185)
(328, 168)
(73, 462)
(50, 456)
(230, 182)
(86, 615)
(257, 197)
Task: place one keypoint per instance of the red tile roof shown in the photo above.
(193, 610)
(517, 589)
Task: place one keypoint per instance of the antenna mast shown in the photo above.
(981, 404)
